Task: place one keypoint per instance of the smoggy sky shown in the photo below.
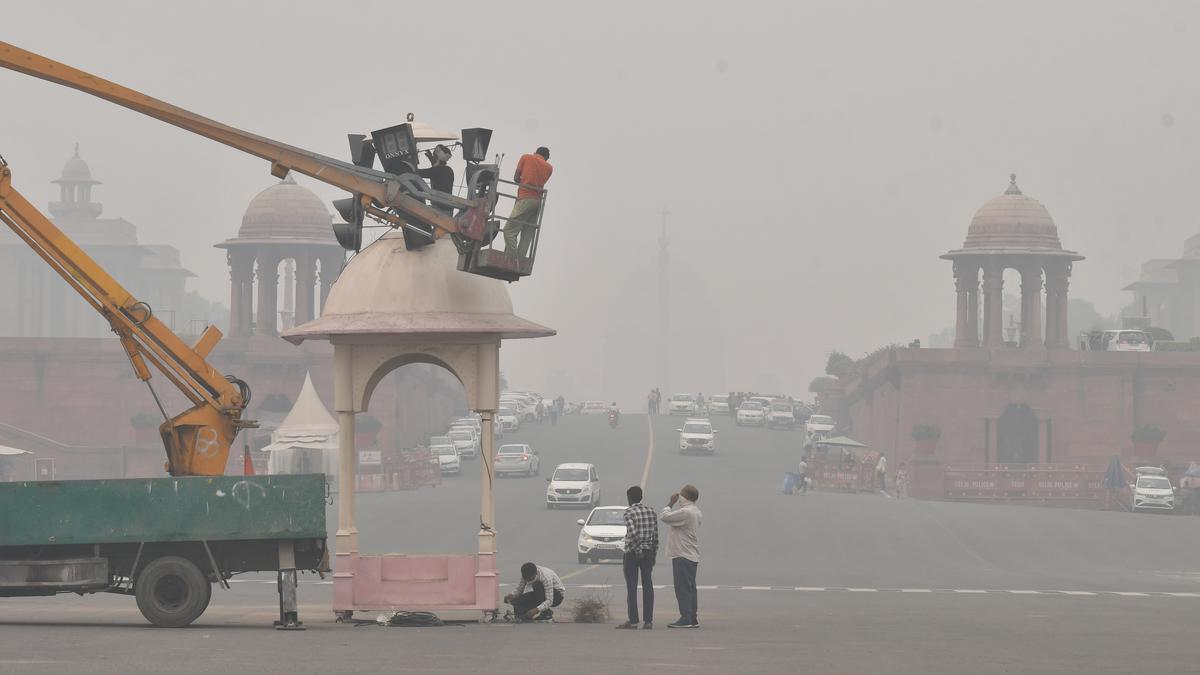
(816, 158)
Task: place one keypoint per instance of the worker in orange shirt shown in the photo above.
(532, 173)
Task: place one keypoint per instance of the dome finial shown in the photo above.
(1012, 185)
(76, 149)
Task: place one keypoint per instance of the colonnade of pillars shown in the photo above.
(1056, 274)
(261, 317)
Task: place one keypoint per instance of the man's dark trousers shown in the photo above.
(632, 567)
(534, 597)
(684, 572)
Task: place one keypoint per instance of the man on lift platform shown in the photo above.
(533, 171)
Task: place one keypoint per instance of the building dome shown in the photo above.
(389, 290)
(76, 171)
(1012, 221)
(286, 211)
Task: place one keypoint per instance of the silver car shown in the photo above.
(517, 458)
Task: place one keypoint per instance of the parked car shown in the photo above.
(574, 483)
(682, 404)
(1152, 490)
(819, 426)
(440, 440)
(752, 413)
(602, 534)
(466, 441)
(718, 404)
(507, 419)
(697, 435)
(517, 458)
(448, 459)
(594, 408)
(781, 415)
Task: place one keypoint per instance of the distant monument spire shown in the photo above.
(1012, 185)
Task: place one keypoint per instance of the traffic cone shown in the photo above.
(247, 463)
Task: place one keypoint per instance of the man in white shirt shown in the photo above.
(881, 471)
(683, 548)
(539, 590)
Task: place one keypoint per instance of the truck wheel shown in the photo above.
(172, 592)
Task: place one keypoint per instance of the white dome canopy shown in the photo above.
(388, 290)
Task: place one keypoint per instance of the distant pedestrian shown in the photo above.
(553, 412)
(683, 548)
(803, 467)
(902, 481)
(881, 472)
(650, 403)
(641, 549)
(541, 412)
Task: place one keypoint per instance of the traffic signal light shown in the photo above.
(362, 151)
(349, 233)
(475, 144)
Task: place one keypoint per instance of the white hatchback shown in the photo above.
(751, 412)
(602, 534)
(573, 484)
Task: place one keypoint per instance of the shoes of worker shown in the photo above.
(627, 626)
(647, 626)
(683, 623)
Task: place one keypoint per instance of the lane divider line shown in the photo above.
(649, 452)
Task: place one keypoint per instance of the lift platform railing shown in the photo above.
(509, 247)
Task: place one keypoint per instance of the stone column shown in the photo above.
(241, 282)
(306, 280)
(963, 306)
(268, 294)
(1058, 274)
(993, 305)
(1031, 306)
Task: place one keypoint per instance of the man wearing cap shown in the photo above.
(533, 171)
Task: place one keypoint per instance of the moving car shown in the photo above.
(507, 419)
(818, 426)
(1152, 490)
(781, 415)
(718, 404)
(517, 458)
(448, 460)
(465, 441)
(697, 435)
(602, 534)
(682, 404)
(594, 408)
(751, 412)
(574, 483)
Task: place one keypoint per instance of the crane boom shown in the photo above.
(367, 184)
(197, 441)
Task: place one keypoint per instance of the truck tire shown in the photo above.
(172, 592)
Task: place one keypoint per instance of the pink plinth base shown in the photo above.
(416, 582)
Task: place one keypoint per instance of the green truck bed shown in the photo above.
(218, 508)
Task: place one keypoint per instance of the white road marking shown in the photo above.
(969, 590)
(649, 452)
(916, 590)
(1077, 592)
(1025, 592)
(578, 572)
(806, 588)
(756, 588)
(1184, 595)
(1129, 593)
(863, 590)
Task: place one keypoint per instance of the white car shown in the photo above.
(1152, 490)
(819, 426)
(507, 419)
(448, 460)
(594, 408)
(781, 415)
(697, 435)
(573, 484)
(752, 413)
(718, 404)
(602, 534)
(682, 404)
(465, 441)
(517, 458)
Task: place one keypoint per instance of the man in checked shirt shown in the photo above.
(641, 548)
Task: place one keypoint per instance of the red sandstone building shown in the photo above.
(1031, 399)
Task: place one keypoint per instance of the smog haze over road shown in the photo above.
(815, 157)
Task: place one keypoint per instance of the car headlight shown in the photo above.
(585, 538)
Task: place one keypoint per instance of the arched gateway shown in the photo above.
(391, 307)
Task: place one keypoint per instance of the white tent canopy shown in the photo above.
(307, 439)
(6, 451)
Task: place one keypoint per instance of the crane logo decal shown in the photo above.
(207, 442)
(246, 493)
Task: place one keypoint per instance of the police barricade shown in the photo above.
(844, 475)
(1051, 483)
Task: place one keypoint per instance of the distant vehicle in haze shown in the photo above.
(517, 458)
(697, 435)
(448, 459)
(1152, 490)
(682, 404)
(751, 413)
(508, 419)
(819, 426)
(602, 534)
(571, 484)
(465, 441)
(440, 440)
(718, 404)
(594, 408)
(781, 415)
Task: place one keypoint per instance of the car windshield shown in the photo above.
(607, 517)
(1133, 338)
(439, 440)
(511, 450)
(720, 397)
(594, 404)
(752, 405)
(571, 474)
(820, 419)
(781, 406)
(462, 436)
(1155, 482)
(444, 450)
(697, 429)
(505, 412)
(681, 397)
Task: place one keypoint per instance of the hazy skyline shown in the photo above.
(816, 157)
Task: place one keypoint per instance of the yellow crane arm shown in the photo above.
(377, 186)
(197, 441)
